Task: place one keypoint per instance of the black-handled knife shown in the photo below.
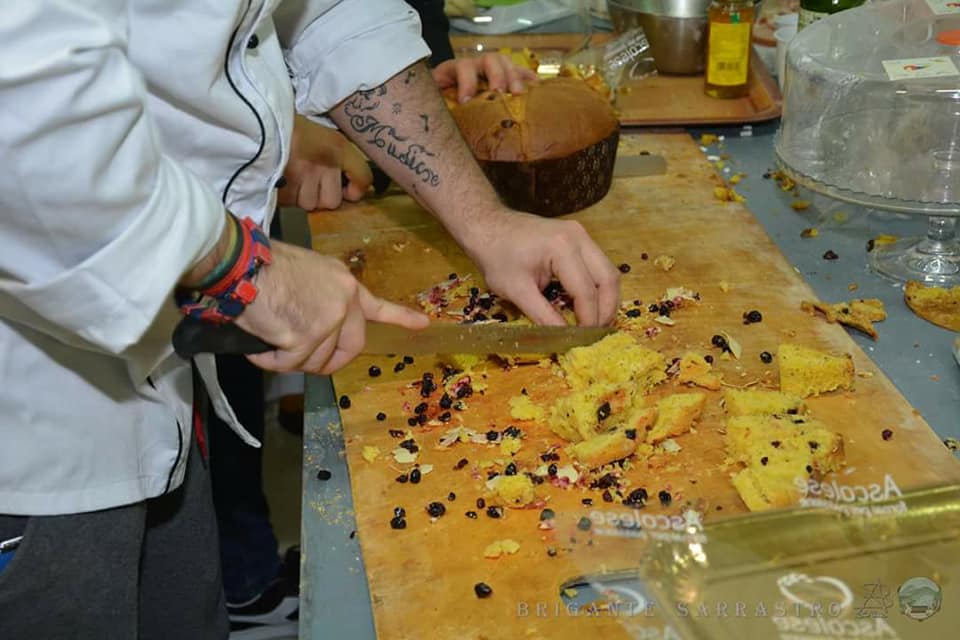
(192, 337)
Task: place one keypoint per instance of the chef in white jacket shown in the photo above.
(129, 131)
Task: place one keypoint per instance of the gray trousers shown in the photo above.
(147, 571)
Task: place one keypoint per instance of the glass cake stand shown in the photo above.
(871, 116)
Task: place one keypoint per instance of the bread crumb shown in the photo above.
(725, 286)
(810, 232)
(370, 453)
(800, 205)
(665, 262)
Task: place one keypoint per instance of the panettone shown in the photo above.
(807, 372)
(549, 150)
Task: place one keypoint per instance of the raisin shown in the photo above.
(483, 590)
(464, 392)
(830, 255)
(606, 481)
(495, 512)
(461, 463)
(603, 412)
(512, 432)
(644, 256)
(511, 470)
(775, 444)
(813, 445)
(752, 317)
(471, 514)
(886, 434)
(708, 359)
(633, 313)
(764, 460)
(631, 434)
(550, 457)
(344, 402)
(422, 419)
(436, 509)
(324, 475)
(381, 416)
(452, 276)
(653, 308)
(584, 524)
(766, 357)
(399, 512)
(500, 316)
(624, 268)
(446, 401)
(506, 123)
(481, 503)
(398, 523)
(395, 433)
(412, 421)
(397, 368)
(637, 498)
(451, 496)
(492, 435)
(420, 408)
(792, 412)
(607, 496)
(415, 476)
(410, 445)
(547, 514)
(403, 478)
(587, 502)
(665, 498)
(871, 243)
(551, 552)
(719, 341)
(374, 371)
(552, 470)
(809, 469)
(444, 417)
(407, 359)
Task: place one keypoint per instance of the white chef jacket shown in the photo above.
(126, 128)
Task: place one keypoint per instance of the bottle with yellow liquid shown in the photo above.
(728, 48)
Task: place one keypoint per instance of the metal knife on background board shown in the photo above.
(192, 337)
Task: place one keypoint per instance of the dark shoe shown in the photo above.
(272, 614)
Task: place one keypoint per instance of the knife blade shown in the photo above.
(639, 165)
(193, 337)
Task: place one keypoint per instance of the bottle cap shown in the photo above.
(950, 38)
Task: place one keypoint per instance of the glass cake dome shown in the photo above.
(871, 116)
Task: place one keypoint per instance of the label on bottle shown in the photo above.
(943, 7)
(907, 68)
(728, 54)
(808, 17)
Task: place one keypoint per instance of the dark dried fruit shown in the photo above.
(603, 412)
(809, 469)
(407, 359)
(422, 419)
(410, 445)
(420, 408)
(396, 433)
(461, 463)
(506, 123)
(398, 523)
(403, 478)
(512, 432)
(813, 445)
(381, 416)
(374, 371)
(886, 434)
(830, 255)
(720, 342)
(552, 552)
(708, 359)
(624, 268)
(495, 512)
(483, 590)
(584, 524)
(510, 470)
(607, 496)
(633, 313)
(399, 512)
(492, 474)
(637, 498)
(344, 402)
(412, 421)
(481, 503)
(471, 514)
(551, 456)
(415, 476)
(752, 317)
(764, 460)
(631, 434)
(436, 509)
(493, 435)
(606, 481)
(451, 496)
(552, 470)
(547, 514)
(775, 444)
(766, 357)
(665, 498)
(871, 243)
(446, 401)
(397, 368)
(644, 256)
(324, 475)
(587, 502)
(465, 391)
(444, 417)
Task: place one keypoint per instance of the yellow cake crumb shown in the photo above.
(665, 262)
(605, 448)
(515, 491)
(461, 361)
(499, 548)
(808, 372)
(370, 453)
(676, 414)
(616, 361)
(523, 408)
(759, 402)
(775, 488)
(510, 446)
(697, 371)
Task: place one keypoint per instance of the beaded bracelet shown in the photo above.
(227, 297)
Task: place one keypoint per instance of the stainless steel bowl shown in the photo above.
(676, 29)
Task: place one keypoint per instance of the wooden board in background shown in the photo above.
(421, 579)
(660, 100)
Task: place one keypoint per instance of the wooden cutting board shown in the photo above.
(422, 578)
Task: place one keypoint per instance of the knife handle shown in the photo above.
(193, 336)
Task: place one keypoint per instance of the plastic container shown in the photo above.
(783, 36)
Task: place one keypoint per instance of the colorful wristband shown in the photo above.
(230, 294)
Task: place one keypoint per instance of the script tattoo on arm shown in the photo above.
(362, 110)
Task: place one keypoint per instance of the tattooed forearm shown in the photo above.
(426, 121)
(360, 111)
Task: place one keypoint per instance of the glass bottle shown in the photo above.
(813, 10)
(728, 48)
